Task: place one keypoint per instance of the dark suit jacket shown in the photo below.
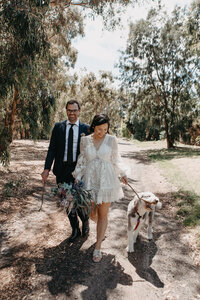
(57, 145)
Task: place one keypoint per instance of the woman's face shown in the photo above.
(100, 130)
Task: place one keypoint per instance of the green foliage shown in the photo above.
(5, 156)
(141, 129)
(33, 40)
(23, 38)
(189, 210)
(125, 132)
(109, 10)
(197, 141)
(98, 96)
(12, 187)
(74, 197)
(160, 69)
(193, 26)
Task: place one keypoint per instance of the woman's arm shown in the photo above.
(120, 168)
(81, 162)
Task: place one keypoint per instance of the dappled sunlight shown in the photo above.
(38, 256)
(63, 261)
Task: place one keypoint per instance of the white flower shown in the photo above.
(82, 134)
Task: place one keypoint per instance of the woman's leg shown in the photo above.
(102, 223)
(94, 213)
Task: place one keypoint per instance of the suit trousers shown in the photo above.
(65, 175)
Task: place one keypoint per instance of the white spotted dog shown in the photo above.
(141, 208)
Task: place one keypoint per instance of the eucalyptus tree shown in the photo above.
(110, 10)
(139, 123)
(33, 41)
(193, 25)
(34, 35)
(159, 64)
(98, 95)
(192, 29)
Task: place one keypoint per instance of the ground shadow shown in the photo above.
(141, 259)
(127, 144)
(69, 266)
(140, 157)
(32, 152)
(147, 156)
(176, 152)
(165, 225)
(8, 255)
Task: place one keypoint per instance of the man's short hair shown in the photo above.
(73, 101)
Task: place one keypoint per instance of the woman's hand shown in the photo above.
(124, 180)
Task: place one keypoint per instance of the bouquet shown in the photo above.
(74, 196)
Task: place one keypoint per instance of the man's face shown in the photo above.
(73, 112)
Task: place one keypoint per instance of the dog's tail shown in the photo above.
(159, 205)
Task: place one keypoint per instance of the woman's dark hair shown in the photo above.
(99, 120)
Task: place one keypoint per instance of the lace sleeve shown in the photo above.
(119, 166)
(81, 163)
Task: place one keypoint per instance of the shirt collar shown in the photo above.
(77, 123)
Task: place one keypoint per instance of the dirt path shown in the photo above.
(37, 261)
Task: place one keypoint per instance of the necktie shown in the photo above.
(70, 145)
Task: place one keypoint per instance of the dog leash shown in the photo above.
(134, 191)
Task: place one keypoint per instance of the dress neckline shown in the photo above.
(92, 140)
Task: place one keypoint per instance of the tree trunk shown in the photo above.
(6, 135)
(170, 141)
(13, 112)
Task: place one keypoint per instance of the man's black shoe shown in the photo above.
(85, 228)
(75, 233)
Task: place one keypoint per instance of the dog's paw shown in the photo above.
(150, 236)
(129, 249)
(159, 205)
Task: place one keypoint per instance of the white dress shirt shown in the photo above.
(75, 139)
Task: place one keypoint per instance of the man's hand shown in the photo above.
(45, 175)
(124, 180)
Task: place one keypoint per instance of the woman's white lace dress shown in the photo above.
(100, 169)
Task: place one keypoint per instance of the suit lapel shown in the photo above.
(64, 126)
(80, 129)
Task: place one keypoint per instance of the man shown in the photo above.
(64, 149)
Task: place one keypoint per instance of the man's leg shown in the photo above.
(73, 219)
(85, 222)
(66, 176)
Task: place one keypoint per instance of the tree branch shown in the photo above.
(155, 89)
(69, 3)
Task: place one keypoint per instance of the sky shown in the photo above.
(99, 48)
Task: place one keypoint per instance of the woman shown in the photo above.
(99, 165)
